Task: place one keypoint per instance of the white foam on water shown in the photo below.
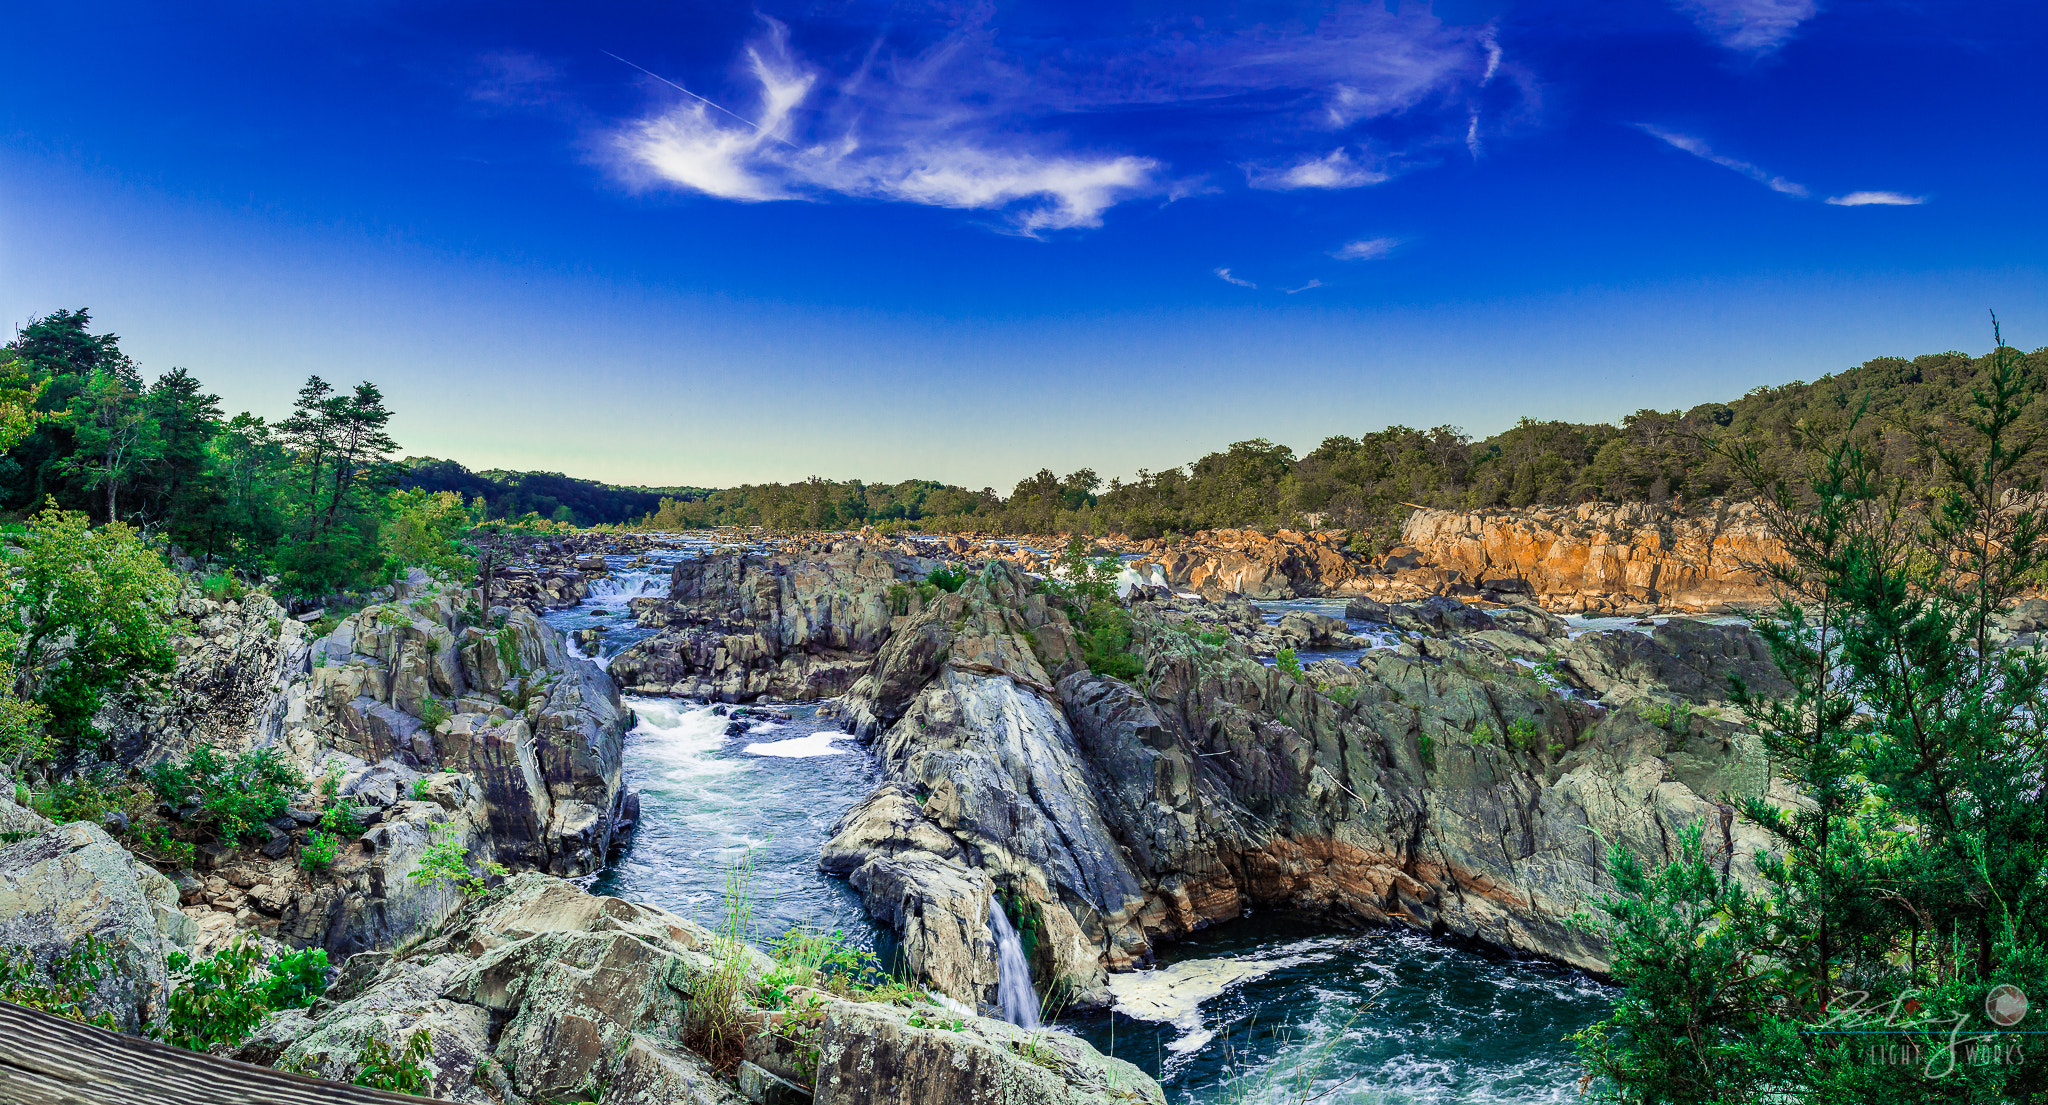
(1174, 995)
(686, 741)
(817, 744)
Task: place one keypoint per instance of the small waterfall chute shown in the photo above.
(1014, 995)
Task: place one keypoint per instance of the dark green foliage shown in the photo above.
(63, 988)
(548, 494)
(233, 797)
(400, 1072)
(1425, 748)
(949, 578)
(219, 1000)
(1361, 483)
(296, 979)
(1913, 877)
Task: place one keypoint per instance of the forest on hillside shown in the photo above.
(312, 499)
(549, 495)
(1907, 408)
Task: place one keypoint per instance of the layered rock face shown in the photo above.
(542, 992)
(1284, 565)
(1600, 557)
(1441, 785)
(741, 626)
(540, 731)
(231, 668)
(434, 721)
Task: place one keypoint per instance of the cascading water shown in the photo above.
(1014, 994)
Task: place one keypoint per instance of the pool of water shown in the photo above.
(1391, 1016)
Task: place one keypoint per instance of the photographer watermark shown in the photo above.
(1905, 1033)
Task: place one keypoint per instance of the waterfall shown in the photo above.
(1013, 974)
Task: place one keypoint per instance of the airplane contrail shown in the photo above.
(694, 96)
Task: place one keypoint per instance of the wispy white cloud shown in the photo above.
(1753, 27)
(1303, 288)
(1229, 279)
(1335, 169)
(512, 79)
(942, 109)
(1365, 249)
(1699, 149)
(1883, 199)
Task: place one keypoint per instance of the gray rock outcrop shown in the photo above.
(73, 880)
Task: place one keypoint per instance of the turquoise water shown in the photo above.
(1389, 1016)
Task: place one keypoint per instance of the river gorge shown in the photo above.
(1325, 836)
(1260, 1008)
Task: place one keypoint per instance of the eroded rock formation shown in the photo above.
(740, 626)
(1601, 557)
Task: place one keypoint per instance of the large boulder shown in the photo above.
(71, 881)
(1689, 661)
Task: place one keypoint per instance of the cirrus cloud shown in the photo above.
(1365, 249)
(1753, 27)
(944, 109)
(1877, 199)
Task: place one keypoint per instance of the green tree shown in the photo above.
(19, 390)
(93, 607)
(114, 434)
(185, 420)
(1912, 876)
(425, 531)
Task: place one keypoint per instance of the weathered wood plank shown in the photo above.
(46, 1060)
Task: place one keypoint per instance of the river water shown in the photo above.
(1387, 1016)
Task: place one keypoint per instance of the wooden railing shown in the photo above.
(46, 1060)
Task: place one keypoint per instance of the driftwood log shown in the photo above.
(46, 1060)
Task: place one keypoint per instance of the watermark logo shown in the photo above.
(1903, 1032)
(2005, 1005)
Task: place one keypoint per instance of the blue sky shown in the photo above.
(708, 243)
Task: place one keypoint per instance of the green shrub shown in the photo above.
(88, 796)
(949, 579)
(899, 600)
(433, 712)
(319, 851)
(379, 1068)
(1289, 664)
(219, 1000)
(156, 844)
(1343, 694)
(71, 978)
(1524, 735)
(1426, 748)
(445, 861)
(234, 796)
(222, 587)
(1676, 716)
(342, 819)
(419, 789)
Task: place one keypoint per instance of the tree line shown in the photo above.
(310, 499)
(1364, 483)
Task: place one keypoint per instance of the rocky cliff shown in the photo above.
(1598, 557)
(1442, 785)
(741, 626)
